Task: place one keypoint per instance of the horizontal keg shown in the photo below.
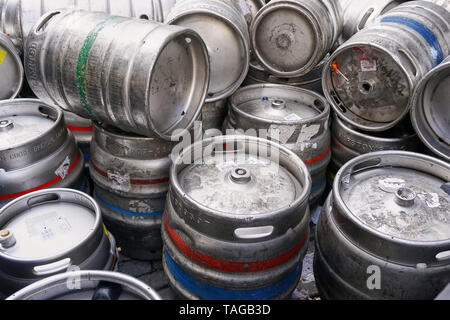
(348, 143)
(249, 8)
(295, 117)
(311, 81)
(384, 232)
(81, 129)
(87, 285)
(11, 69)
(222, 26)
(370, 79)
(36, 150)
(19, 16)
(140, 76)
(430, 110)
(48, 232)
(131, 180)
(289, 38)
(236, 222)
(213, 114)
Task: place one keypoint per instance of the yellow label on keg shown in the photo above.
(106, 232)
(3, 54)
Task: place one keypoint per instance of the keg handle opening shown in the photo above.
(443, 256)
(38, 200)
(45, 21)
(51, 268)
(365, 18)
(369, 164)
(253, 233)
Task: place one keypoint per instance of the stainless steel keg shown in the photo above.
(311, 81)
(222, 26)
(348, 142)
(384, 232)
(213, 114)
(370, 79)
(19, 16)
(81, 129)
(443, 3)
(294, 117)
(36, 150)
(236, 222)
(11, 69)
(430, 113)
(87, 285)
(290, 38)
(140, 76)
(48, 232)
(131, 180)
(249, 8)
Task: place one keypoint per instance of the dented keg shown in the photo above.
(131, 180)
(11, 69)
(348, 142)
(290, 38)
(311, 81)
(430, 113)
(140, 76)
(222, 26)
(297, 118)
(87, 285)
(370, 79)
(36, 150)
(48, 232)
(19, 16)
(213, 114)
(384, 231)
(81, 129)
(236, 222)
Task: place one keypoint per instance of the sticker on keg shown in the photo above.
(281, 133)
(292, 117)
(3, 54)
(308, 132)
(391, 184)
(368, 65)
(122, 180)
(63, 169)
(431, 199)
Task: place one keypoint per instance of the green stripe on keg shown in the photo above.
(83, 58)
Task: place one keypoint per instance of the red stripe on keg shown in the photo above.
(323, 155)
(132, 181)
(229, 266)
(73, 128)
(42, 186)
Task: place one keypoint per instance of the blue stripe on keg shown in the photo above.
(435, 48)
(85, 185)
(87, 158)
(130, 213)
(316, 186)
(207, 291)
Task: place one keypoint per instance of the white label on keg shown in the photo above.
(308, 132)
(281, 133)
(63, 169)
(292, 117)
(391, 184)
(431, 199)
(226, 165)
(122, 180)
(368, 65)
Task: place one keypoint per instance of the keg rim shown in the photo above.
(177, 163)
(422, 127)
(138, 287)
(270, 8)
(98, 223)
(328, 87)
(345, 211)
(324, 114)
(9, 45)
(243, 35)
(56, 122)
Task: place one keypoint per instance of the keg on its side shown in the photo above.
(384, 232)
(11, 69)
(290, 38)
(51, 231)
(311, 81)
(348, 143)
(443, 3)
(222, 26)
(131, 179)
(297, 118)
(19, 16)
(237, 220)
(90, 285)
(430, 113)
(140, 76)
(36, 150)
(370, 79)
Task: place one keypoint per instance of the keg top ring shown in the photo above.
(278, 104)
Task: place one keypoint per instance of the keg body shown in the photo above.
(383, 233)
(36, 150)
(52, 231)
(11, 69)
(213, 114)
(212, 253)
(81, 129)
(119, 71)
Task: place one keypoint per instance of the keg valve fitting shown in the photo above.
(405, 197)
(240, 175)
(7, 239)
(6, 124)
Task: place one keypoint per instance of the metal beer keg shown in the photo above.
(11, 69)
